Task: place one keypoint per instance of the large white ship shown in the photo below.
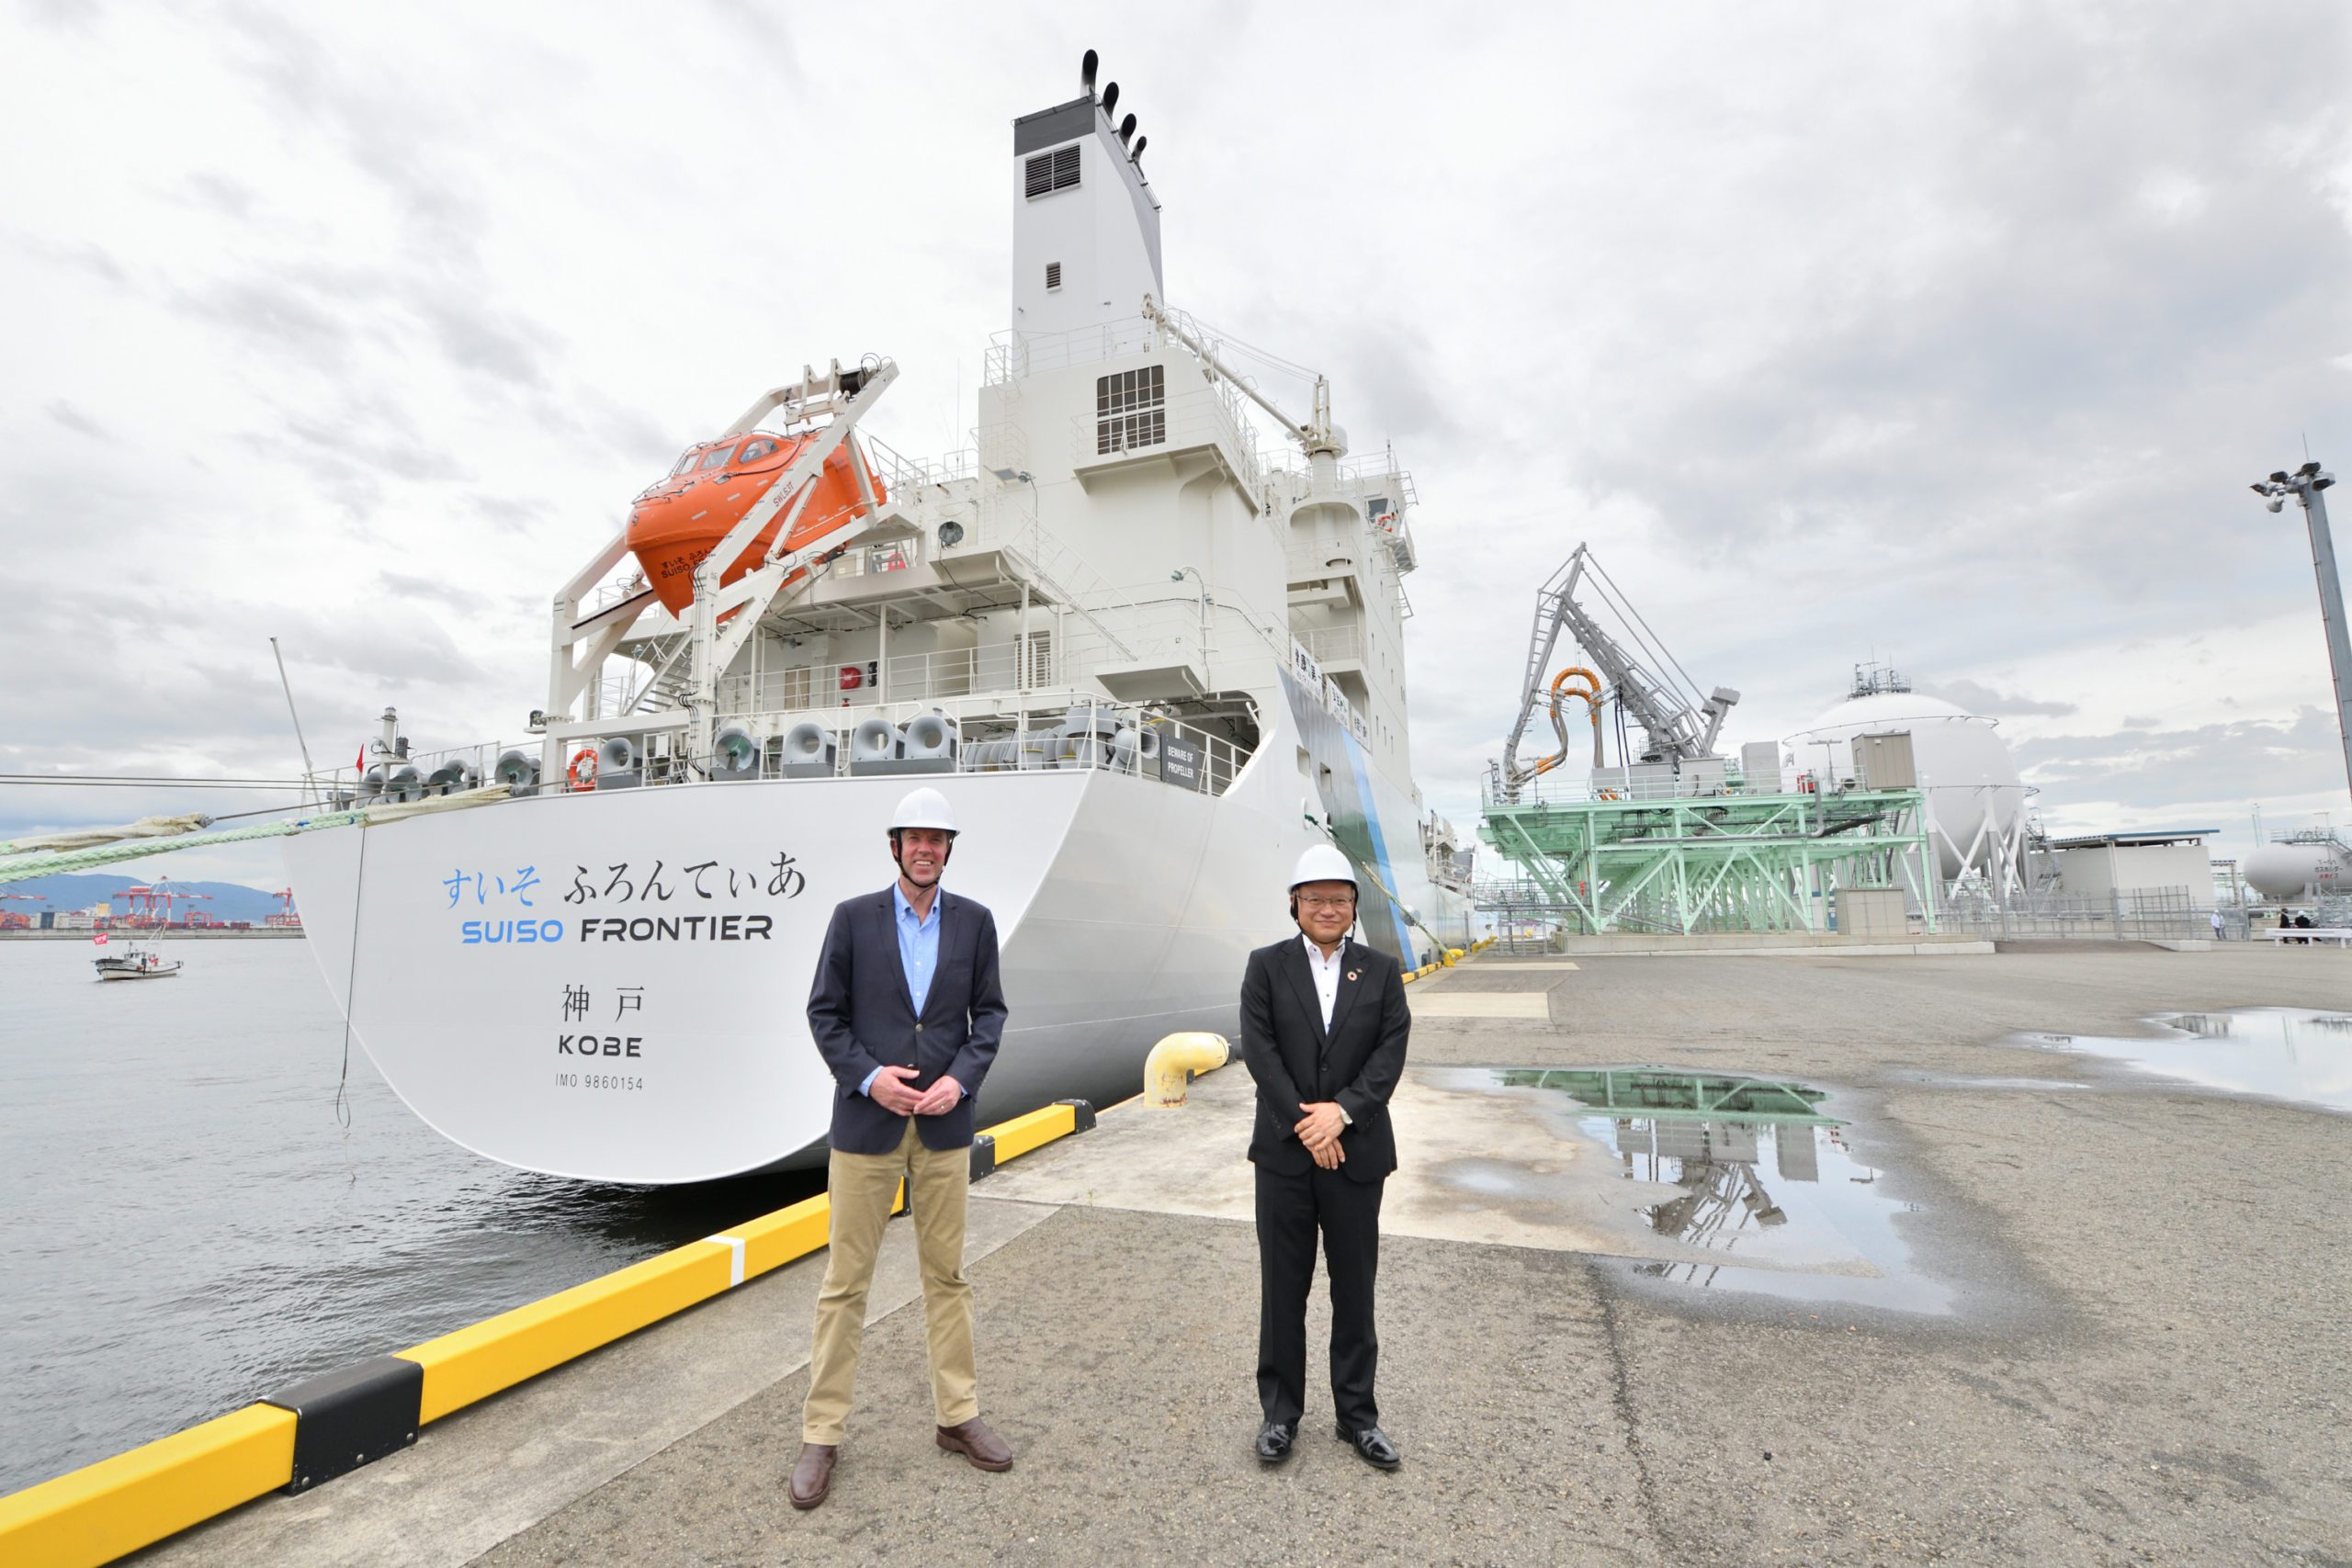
(1148, 653)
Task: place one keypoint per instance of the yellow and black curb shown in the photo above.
(330, 1425)
(1452, 956)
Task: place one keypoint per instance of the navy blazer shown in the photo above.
(1355, 1063)
(862, 1018)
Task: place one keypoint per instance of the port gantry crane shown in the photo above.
(1647, 682)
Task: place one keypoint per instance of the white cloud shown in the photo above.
(1945, 334)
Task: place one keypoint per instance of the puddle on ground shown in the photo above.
(2291, 1053)
(1758, 1190)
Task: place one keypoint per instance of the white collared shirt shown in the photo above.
(1326, 974)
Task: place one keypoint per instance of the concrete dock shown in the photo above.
(2103, 1317)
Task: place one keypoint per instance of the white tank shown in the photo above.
(1972, 779)
(2295, 871)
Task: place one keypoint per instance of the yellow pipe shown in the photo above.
(1174, 1062)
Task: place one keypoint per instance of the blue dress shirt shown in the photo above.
(917, 956)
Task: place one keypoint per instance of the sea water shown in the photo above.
(186, 1222)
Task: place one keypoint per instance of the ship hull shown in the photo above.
(611, 986)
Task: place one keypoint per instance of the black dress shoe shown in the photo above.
(1371, 1445)
(1274, 1439)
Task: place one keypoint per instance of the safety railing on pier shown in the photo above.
(2142, 914)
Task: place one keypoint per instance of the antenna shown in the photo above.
(307, 770)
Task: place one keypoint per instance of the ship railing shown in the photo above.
(1063, 651)
(922, 677)
(1113, 615)
(1376, 567)
(1039, 730)
(417, 776)
(1207, 416)
(1326, 644)
(611, 592)
(1011, 355)
(1375, 473)
(1035, 731)
(902, 475)
(1270, 634)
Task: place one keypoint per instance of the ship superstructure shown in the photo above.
(1149, 652)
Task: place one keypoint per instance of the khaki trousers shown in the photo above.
(862, 1188)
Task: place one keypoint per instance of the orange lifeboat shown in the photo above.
(681, 518)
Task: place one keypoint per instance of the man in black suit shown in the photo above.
(907, 1011)
(1323, 1027)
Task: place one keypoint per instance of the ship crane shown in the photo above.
(1634, 667)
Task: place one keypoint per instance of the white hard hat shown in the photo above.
(1322, 863)
(925, 807)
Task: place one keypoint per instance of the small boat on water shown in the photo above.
(135, 961)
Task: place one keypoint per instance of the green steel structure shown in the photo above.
(1689, 864)
(1677, 1094)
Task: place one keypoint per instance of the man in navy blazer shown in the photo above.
(1324, 1028)
(907, 1011)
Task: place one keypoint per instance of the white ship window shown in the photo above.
(1050, 172)
(715, 458)
(1130, 410)
(687, 463)
(1053, 274)
(754, 451)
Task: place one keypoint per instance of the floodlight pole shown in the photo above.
(2305, 484)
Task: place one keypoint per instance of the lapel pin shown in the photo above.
(1354, 973)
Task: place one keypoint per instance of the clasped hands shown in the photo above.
(1319, 1129)
(895, 1092)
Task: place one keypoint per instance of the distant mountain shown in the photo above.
(230, 900)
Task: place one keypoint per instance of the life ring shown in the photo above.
(583, 757)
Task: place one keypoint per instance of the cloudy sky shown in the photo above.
(1948, 335)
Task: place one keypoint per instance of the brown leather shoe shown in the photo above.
(976, 1442)
(812, 1474)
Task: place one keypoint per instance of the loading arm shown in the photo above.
(1679, 726)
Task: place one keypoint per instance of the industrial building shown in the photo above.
(2095, 865)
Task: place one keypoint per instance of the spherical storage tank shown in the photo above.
(1972, 779)
(2296, 871)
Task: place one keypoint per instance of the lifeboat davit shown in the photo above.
(681, 518)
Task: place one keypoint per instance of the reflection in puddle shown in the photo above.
(2284, 1053)
(1748, 1172)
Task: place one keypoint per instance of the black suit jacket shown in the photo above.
(1356, 1063)
(862, 1018)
